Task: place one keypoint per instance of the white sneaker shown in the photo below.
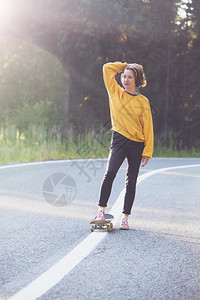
(100, 218)
(124, 224)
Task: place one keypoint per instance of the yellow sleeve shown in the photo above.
(109, 72)
(148, 132)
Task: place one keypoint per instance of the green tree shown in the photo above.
(84, 34)
(30, 76)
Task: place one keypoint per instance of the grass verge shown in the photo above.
(36, 144)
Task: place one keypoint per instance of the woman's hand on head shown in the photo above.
(145, 160)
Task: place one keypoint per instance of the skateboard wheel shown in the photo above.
(111, 225)
(108, 228)
(92, 228)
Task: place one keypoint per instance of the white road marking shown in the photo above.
(58, 271)
(19, 165)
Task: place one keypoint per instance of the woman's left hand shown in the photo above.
(145, 160)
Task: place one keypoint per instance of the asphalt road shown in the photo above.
(45, 209)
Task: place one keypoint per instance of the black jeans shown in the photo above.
(121, 148)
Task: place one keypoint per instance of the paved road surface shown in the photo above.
(159, 258)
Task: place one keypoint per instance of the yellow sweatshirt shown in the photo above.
(130, 115)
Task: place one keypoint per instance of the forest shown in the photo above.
(53, 51)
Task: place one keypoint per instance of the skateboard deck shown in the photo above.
(106, 225)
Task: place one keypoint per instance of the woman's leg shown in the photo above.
(133, 164)
(116, 157)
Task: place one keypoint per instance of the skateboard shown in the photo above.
(107, 224)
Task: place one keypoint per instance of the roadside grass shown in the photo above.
(172, 151)
(37, 144)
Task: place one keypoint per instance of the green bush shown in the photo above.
(43, 114)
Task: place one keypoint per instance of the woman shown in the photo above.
(132, 132)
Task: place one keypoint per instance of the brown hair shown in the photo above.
(139, 74)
